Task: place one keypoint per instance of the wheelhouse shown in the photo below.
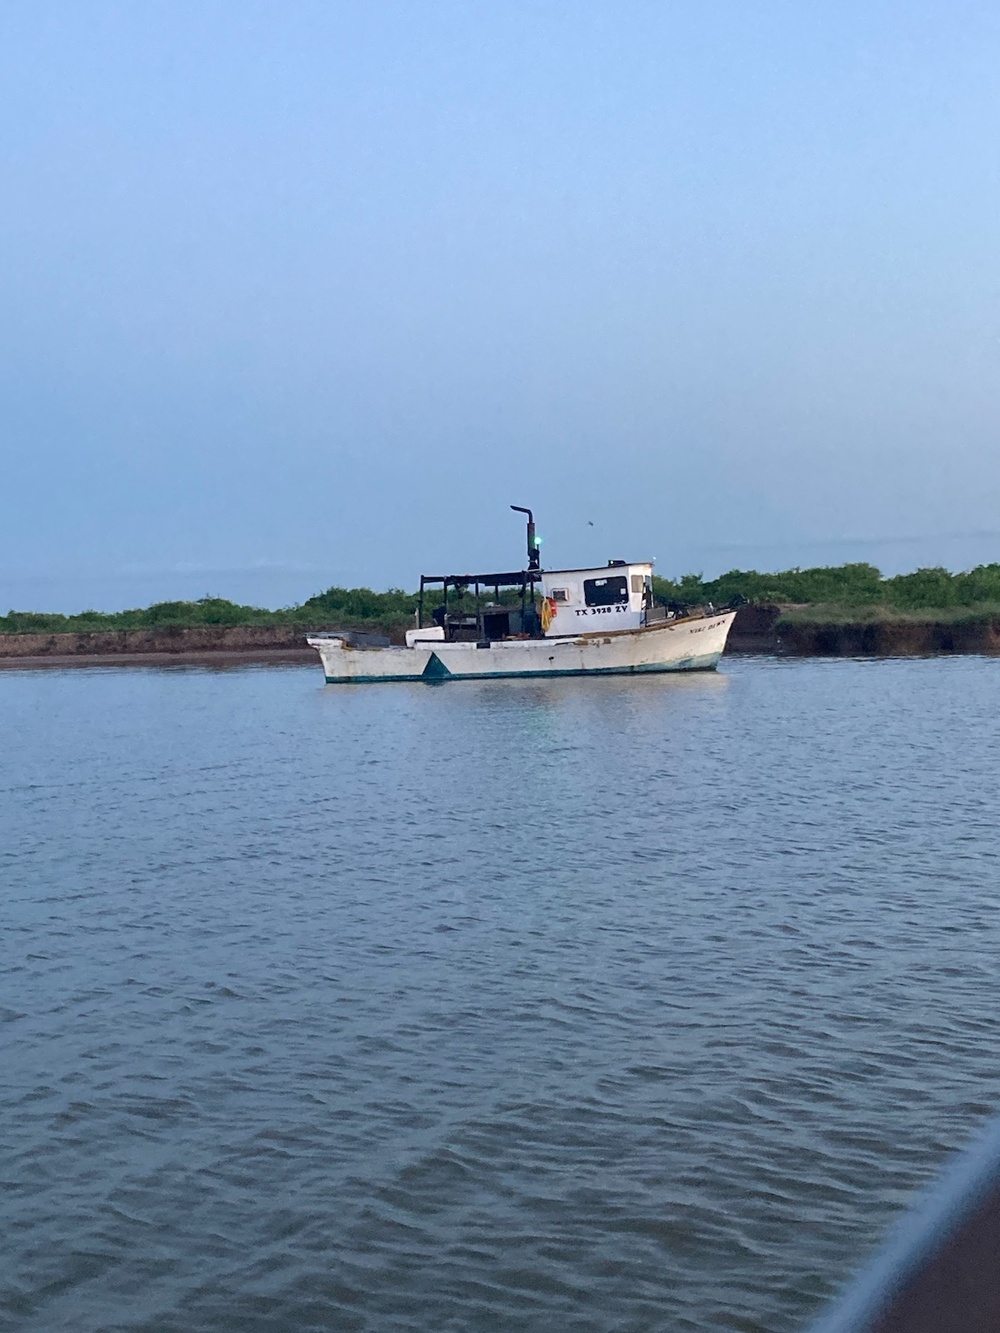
(588, 601)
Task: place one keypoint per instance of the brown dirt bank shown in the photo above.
(167, 640)
(218, 660)
(171, 643)
(771, 629)
(887, 638)
(754, 630)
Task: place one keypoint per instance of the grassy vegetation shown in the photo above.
(844, 586)
(345, 608)
(841, 593)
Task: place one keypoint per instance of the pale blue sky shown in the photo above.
(299, 293)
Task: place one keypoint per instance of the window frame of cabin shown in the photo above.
(621, 592)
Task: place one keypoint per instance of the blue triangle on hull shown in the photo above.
(435, 668)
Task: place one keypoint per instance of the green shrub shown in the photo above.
(853, 585)
(853, 589)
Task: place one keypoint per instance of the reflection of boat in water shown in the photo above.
(565, 622)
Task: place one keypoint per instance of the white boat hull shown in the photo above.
(691, 644)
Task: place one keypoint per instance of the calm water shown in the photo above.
(570, 1005)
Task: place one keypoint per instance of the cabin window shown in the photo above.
(559, 594)
(637, 583)
(612, 591)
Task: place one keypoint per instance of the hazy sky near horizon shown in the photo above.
(299, 293)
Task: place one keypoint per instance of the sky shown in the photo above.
(295, 294)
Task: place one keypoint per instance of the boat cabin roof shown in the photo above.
(519, 578)
(601, 569)
(509, 579)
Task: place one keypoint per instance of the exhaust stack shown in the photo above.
(534, 556)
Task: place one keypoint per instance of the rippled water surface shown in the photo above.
(571, 1005)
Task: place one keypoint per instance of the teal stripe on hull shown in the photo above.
(708, 662)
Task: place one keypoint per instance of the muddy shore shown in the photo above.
(888, 639)
(767, 629)
(758, 629)
(220, 645)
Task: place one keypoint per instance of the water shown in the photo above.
(573, 1005)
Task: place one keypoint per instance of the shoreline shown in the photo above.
(767, 630)
(222, 645)
(791, 632)
(207, 657)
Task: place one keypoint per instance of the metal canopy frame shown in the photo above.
(524, 579)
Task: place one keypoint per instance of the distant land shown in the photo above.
(835, 609)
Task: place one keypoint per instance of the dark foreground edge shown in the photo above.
(940, 1271)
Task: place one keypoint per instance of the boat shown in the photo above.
(533, 622)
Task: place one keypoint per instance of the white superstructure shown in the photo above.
(610, 597)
